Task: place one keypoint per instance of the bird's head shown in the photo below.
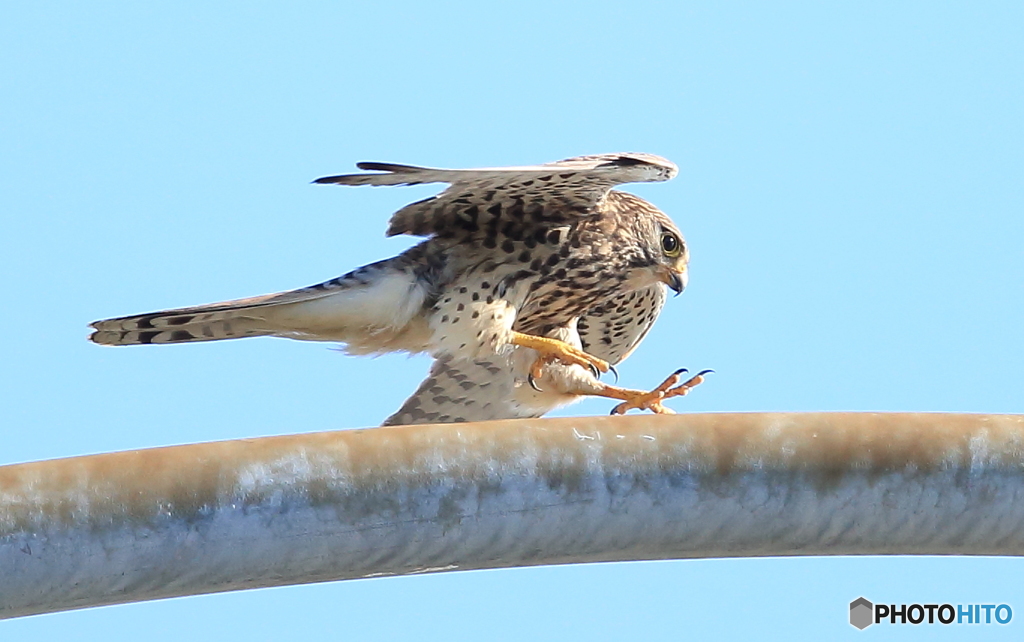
(670, 256)
(659, 251)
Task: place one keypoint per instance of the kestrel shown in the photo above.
(531, 282)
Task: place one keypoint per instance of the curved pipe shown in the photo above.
(203, 518)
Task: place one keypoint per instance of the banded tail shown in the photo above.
(374, 309)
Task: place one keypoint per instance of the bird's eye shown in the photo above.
(671, 245)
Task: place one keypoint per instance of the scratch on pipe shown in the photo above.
(433, 569)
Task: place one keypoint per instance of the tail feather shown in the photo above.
(183, 325)
(376, 308)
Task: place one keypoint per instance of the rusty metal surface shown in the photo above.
(223, 516)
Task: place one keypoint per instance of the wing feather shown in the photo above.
(613, 169)
(461, 389)
(458, 390)
(555, 193)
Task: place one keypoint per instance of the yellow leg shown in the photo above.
(552, 349)
(650, 400)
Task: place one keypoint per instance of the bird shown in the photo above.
(530, 283)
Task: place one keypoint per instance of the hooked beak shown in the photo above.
(677, 280)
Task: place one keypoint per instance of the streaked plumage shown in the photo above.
(511, 253)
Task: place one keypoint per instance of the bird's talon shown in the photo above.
(614, 372)
(553, 349)
(620, 409)
(653, 400)
(533, 382)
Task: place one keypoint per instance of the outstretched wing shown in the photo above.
(490, 198)
(613, 329)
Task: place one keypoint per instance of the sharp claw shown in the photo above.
(680, 371)
(594, 371)
(614, 372)
(533, 382)
(704, 372)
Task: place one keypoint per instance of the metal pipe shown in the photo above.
(203, 518)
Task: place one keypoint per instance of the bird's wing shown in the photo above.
(459, 389)
(614, 328)
(477, 199)
(465, 389)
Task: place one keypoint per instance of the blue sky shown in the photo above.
(851, 186)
